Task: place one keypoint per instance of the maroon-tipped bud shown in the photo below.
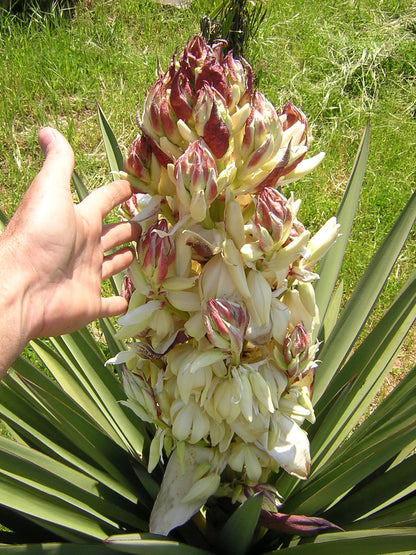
(241, 75)
(182, 95)
(273, 215)
(292, 115)
(210, 116)
(139, 159)
(129, 207)
(299, 525)
(196, 179)
(156, 252)
(162, 118)
(296, 345)
(226, 324)
(127, 288)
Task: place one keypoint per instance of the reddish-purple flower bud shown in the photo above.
(296, 345)
(291, 115)
(298, 525)
(196, 52)
(273, 215)
(129, 207)
(211, 118)
(226, 324)
(127, 288)
(182, 95)
(262, 133)
(139, 159)
(239, 74)
(213, 75)
(159, 111)
(196, 180)
(156, 252)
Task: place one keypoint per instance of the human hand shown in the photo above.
(53, 252)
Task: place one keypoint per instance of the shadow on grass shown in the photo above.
(28, 7)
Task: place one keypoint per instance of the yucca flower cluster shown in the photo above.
(222, 316)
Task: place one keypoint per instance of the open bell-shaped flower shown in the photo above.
(183, 490)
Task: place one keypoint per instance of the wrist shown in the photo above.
(15, 320)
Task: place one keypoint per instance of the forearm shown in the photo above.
(14, 327)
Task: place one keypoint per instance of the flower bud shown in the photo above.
(259, 302)
(321, 241)
(244, 456)
(189, 421)
(294, 124)
(212, 120)
(239, 79)
(127, 288)
(195, 173)
(261, 390)
(226, 324)
(273, 214)
(159, 118)
(143, 166)
(296, 347)
(156, 252)
(203, 488)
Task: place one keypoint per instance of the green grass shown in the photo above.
(341, 63)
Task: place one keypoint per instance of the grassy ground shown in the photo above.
(342, 63)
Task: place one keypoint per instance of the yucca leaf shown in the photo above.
(80, 188)
(399, 514)
(151, 544)
(65, 373)
(102, 386)
(57, 513)
(355, 314)
(56, 549)
(330, 265)
(114, 156)
(115, 161)
(37, 431)
(332, 312)
(367, 368)
(236, 536)
(114, 345)
(370, 542)
(76, 428)
(352, 464)
(34, 472)
(383, 490)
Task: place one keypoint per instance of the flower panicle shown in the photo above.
(222, 311)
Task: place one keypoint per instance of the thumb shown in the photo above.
(59, 157)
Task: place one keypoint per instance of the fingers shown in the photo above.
(114, 235)
(108, 197)
(117, 262)
(112, 306)
(59, 157)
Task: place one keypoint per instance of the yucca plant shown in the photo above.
(74, 475)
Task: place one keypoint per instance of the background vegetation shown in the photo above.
(342, 63)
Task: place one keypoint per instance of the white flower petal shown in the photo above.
(292, 449)
(171, 509)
